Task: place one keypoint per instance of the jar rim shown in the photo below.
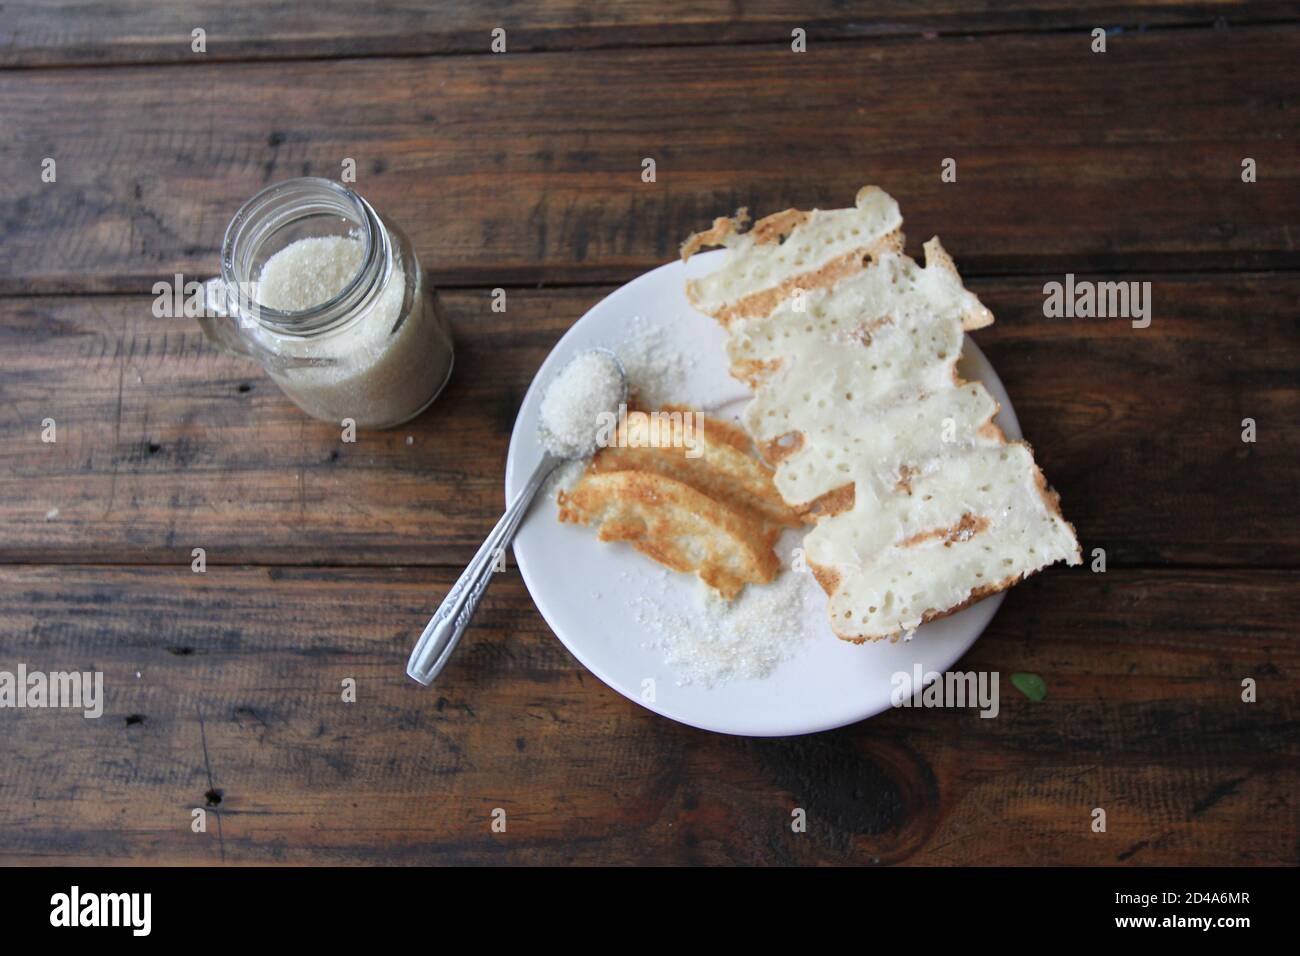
(275, 206)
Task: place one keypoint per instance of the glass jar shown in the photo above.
(374, 349)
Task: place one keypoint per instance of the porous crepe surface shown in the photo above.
(715, 514)
(864, 372)
(922, 507)
(787, 249)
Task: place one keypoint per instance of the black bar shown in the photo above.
(326, 905)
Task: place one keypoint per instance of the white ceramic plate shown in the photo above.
(583, 587)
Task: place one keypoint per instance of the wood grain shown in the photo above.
(325, 558)
(518, 169)
(223, 692)
(46, 32)
(164, 445)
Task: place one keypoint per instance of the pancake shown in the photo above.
(920, 505)
(692, 498)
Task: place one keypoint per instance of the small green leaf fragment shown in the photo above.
(1031, 685)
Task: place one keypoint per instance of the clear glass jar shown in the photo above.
(378, 351)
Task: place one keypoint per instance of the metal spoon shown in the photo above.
(433, 649)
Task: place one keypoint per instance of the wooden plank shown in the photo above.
(223, 692)
(518, 169)
(164, 445)
(44, 32)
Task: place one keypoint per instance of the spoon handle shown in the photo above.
(449, 622)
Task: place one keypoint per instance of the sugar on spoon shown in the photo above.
(591, 385)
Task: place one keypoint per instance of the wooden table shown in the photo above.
(522, 171)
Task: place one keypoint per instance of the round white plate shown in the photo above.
(583, 587)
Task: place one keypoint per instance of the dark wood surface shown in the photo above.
(58, 32)
(523, 171)
(237, 706)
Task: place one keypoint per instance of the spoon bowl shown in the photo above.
(547, 436)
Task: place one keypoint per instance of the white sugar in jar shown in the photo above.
(329, 298)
